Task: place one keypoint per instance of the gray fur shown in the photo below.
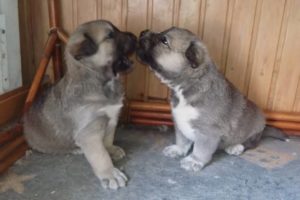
(82, 109)
(223, 117)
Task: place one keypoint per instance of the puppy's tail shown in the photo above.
(276, 133)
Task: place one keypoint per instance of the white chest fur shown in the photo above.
(112, 111)
(183, 114)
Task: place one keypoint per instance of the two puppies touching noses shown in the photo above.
(81, 111)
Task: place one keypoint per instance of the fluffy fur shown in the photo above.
(209, 112)
(82, 109)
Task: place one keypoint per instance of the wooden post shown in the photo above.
(49, 47)
(54, 24)
(62, 36)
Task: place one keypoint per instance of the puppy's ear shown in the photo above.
(195, 54)
(85, 48)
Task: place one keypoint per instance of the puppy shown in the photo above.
(208, 111)
(81, 111)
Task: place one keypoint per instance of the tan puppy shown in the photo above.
(82, 109)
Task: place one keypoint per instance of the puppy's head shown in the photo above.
(172, 53)
(100, 44)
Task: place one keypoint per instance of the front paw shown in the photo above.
(190, 163)
(116, 152)
(173, 151)
(114, 180)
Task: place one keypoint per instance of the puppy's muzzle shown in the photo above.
(145, 40)
(126, 45)
(129, 43)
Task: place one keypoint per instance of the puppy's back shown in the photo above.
(44, 122)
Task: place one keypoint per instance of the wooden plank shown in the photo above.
(297, 99)
(228, 23)
(214, 29)
(151, 122)
(11, 104)
(162, 19)
(159, 113)
(15, 155)
(65, 8)
(279, 50)
(265, 51)
(136, 22)
(240, 40)
(189, 15)
(112, 10)
(289, 71)
(8, 135)
(85, 11)
(6, 149)
(40, 26)
(26, 42)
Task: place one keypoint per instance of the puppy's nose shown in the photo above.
(132, 38)
(144, 32)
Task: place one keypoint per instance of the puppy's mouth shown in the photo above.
(145, 48)
(126, 47)
(122, 65)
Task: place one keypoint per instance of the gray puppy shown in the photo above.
(208, 111)
(81, 111)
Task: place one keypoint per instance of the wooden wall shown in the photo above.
(256, 43)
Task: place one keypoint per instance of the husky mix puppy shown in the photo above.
(208, 111)
(81, 111)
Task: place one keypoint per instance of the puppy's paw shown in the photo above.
(235, 150)
(114, 180)
(116, 152)
(173, 151)
(77, 152)
(190, 163)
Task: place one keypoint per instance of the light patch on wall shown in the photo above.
(10, 58)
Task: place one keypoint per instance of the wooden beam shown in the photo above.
(10, 134)
(49, 47)
(62, 36)
(282, 116)
(17, 153)
(11, 104)
(160, 114)
(151, 115)
(54, 24)
(8, 148)
(151, 122)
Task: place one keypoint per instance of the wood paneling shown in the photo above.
(265, 50)
(289, 70)
(215, 22)
(255, 43)
(137, 20)
(240, 41)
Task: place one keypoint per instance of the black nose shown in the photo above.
(132, 38)
(144, 32)
(130, 44)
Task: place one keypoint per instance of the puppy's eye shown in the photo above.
(110, 35)
(164, 40)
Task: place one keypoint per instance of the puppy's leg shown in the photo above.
(116, 152)
(181, 147)
(90, 140)
(204, 147)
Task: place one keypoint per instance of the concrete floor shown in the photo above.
(272, 171)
